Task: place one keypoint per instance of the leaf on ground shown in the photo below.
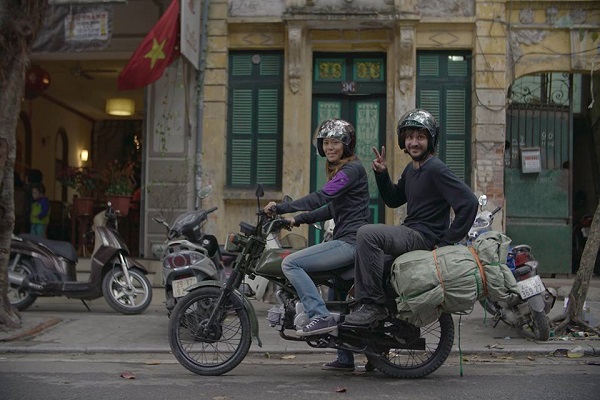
(220, 398)
(507, 358)
(153, 362)
(128, 375)
(494, 346)
(531, 358)
(288, 357)
(267, 355)
(340, 390)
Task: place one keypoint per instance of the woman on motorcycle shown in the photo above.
(345, 198)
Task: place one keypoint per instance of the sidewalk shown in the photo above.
(60, 325)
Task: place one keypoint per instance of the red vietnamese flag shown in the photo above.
(156, 52)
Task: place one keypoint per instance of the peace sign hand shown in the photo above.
(378, 164)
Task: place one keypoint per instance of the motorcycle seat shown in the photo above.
(60, 248)
(345, 273)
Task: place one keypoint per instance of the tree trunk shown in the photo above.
(19, 21)
(581, 284)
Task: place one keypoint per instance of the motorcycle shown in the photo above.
(43, 267)
(211, 328)
(189, 255)
(530, 314)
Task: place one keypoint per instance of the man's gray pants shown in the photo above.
(376, 247)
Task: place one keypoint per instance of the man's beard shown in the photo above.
(418, 158)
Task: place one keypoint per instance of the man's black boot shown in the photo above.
(365, 314)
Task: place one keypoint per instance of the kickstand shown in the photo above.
(85, 304)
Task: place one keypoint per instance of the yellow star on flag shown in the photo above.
(156, 52)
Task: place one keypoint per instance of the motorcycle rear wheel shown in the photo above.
(22, 299)
(203, 349)
(123, 300)
(538, 327)
(411, 364)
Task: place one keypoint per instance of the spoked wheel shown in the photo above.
(207, 348)
(418, 362)
(19, 297)
(538, 327)
(123, 299)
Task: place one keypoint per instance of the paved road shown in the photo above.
(99, 376)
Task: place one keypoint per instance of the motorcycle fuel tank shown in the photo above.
(269, 263)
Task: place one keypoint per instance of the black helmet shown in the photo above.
(419, 118)
(335, 129)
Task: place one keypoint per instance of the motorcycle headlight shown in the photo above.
(480, 223)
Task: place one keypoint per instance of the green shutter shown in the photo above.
(255, 119)
(443, 88)
(428, 65)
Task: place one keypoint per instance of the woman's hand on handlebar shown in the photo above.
(291, 222)
(270, 209)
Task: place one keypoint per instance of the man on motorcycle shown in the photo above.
(429, 189)
(345, 198)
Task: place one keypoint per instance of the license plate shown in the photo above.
(180, 285)
(530, 287)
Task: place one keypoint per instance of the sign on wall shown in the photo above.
(190, 31)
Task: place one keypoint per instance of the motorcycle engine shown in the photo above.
(301, 318)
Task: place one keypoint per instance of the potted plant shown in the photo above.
(84, 181)
(119, 185)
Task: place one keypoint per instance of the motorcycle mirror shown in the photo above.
(205, 192)
(483, 200)
(287, 199)
(260, 192)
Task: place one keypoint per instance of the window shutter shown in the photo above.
(443, 87)
(255, 119)
(268, 132)
(241, 137)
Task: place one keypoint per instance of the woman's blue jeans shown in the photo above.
(320, 257)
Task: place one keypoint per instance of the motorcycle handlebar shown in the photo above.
(211, 210)
(496, 210)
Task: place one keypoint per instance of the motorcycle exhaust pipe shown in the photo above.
(22, 281)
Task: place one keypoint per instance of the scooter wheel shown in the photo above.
(21, 298)
(122, 299)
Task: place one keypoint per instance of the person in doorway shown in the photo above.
(429, 189)
(345, 198)
(40, 210)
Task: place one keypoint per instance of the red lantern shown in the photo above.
(37, 79)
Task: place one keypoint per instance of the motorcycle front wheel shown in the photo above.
(206, 348)
(123, 299)
(408, 363)
(21, 298)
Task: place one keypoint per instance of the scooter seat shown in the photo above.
(60, 248)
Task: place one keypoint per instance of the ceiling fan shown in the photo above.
(79, 72)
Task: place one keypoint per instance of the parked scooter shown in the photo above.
(43, 267)
(530, 315)
(189, 255)
(211, 328)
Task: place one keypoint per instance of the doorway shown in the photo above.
(351, 87)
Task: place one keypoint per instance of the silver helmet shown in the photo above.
(336, 129)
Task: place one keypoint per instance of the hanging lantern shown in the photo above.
(120, 106)
(37, 80)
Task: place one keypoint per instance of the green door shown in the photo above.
(351, 87)
(537, 200)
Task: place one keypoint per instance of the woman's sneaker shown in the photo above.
(338, 366)
(318, 326)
